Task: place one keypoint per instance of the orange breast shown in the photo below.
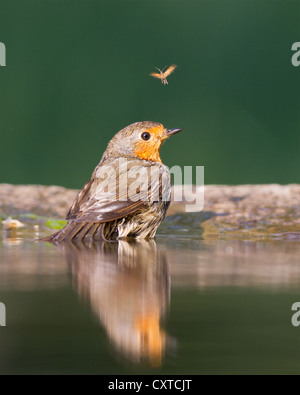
(147, 151)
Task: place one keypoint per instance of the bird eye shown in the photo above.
(145, 136)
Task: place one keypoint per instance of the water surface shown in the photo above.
(179, 304)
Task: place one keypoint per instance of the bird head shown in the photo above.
(140, 140)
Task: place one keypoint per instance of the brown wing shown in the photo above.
(156, 75)
(80, 199)
(169, 70)
(96, 203)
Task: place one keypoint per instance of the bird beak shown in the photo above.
(170, 132)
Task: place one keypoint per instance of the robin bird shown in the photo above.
(115, 203)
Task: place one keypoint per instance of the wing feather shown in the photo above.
(95, 203)
(80, 199)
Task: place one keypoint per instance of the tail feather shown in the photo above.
(76, 231)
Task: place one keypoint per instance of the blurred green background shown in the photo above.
(78, 71)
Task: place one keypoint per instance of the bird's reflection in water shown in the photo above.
(128, 287)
